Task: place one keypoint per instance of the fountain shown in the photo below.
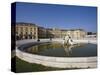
(54, 54)
(68, 40)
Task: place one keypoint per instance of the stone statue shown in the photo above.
(68, 40)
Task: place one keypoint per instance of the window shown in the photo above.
(31, 33)
(26, 29)
(26, 32)
(21, 28)
(31, 29)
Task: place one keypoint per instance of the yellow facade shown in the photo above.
(41, 32)
(32, 31)
(59, 33)
(79, 34)
(26, 31)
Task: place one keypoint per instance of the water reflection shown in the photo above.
(58, 49)
(33, 49)
(43, 47)
(69, 48)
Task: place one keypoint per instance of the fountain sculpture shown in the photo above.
(68, 40)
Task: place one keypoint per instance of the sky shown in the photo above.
(58, 16)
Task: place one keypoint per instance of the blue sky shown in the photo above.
(58, 16)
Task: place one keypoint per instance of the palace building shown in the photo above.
(26, 31)
(61, 33)
(33, 31)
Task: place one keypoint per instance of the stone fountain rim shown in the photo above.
(60, 62)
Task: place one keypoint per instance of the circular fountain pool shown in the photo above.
(60, 50)
(55, 54)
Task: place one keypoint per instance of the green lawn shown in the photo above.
(23, 66)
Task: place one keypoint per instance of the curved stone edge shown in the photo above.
(78, 41)
(20, 42)
(59, 62)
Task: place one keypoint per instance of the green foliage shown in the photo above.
(23, 66)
